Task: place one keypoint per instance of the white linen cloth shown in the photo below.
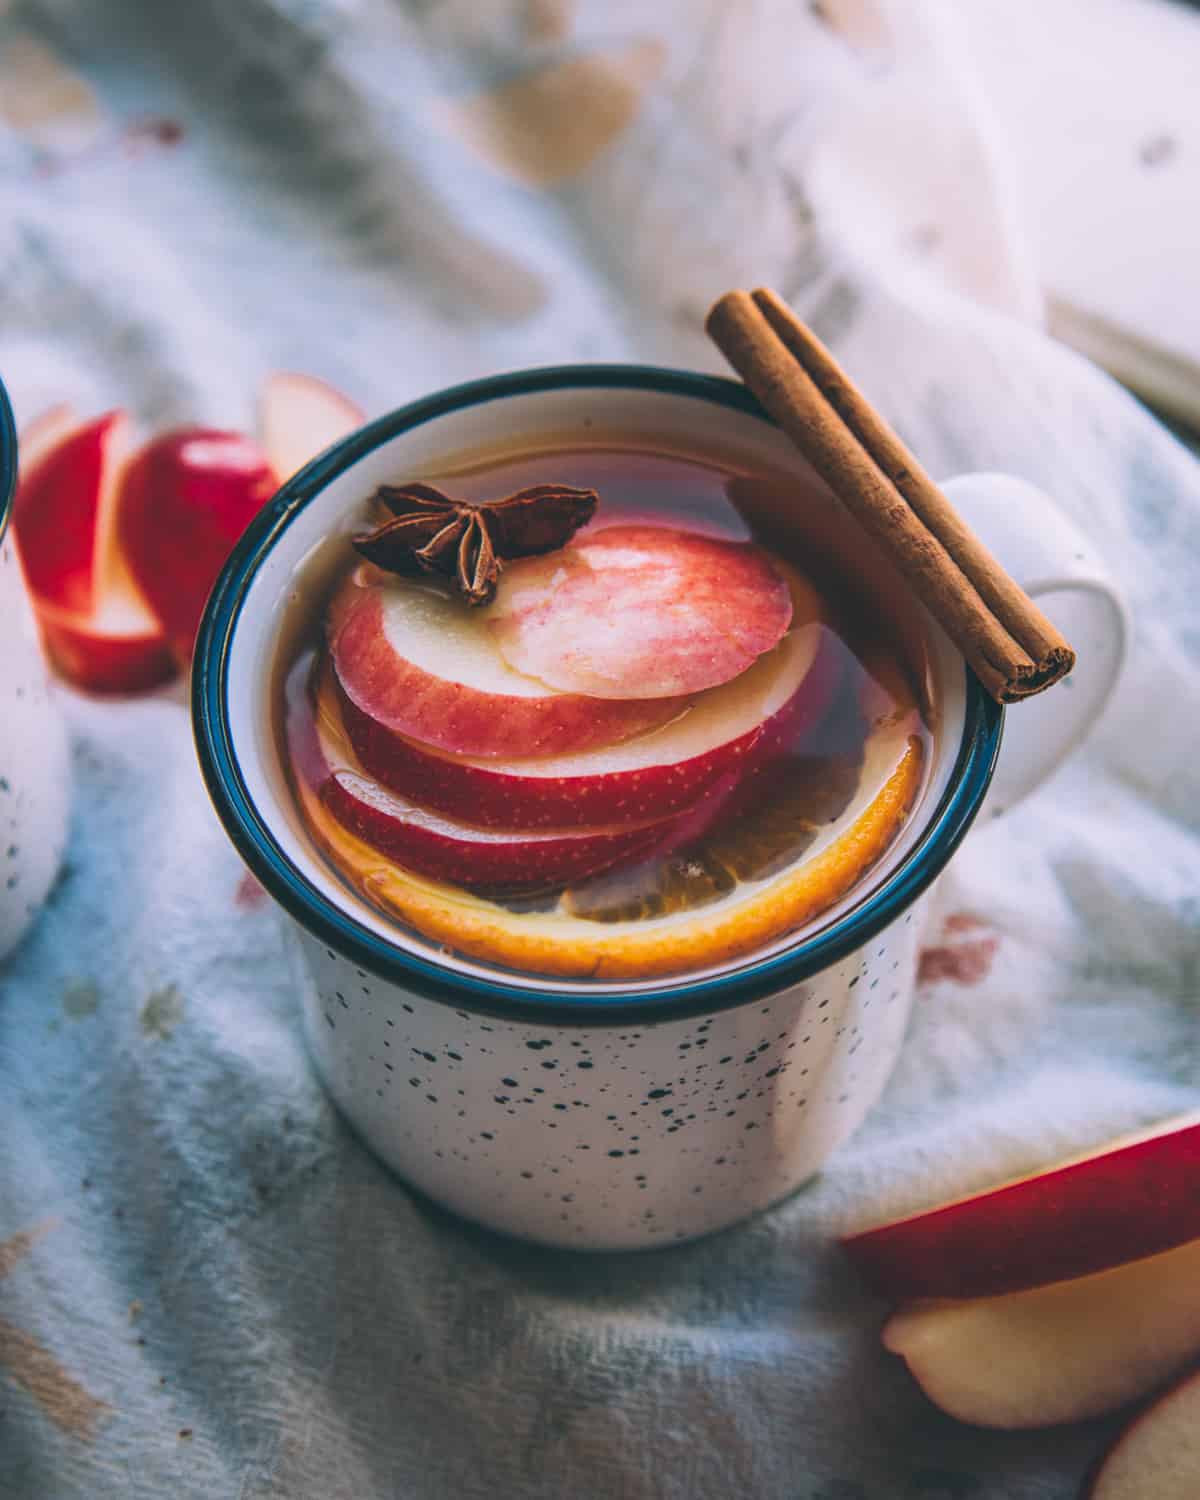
(207, 1287)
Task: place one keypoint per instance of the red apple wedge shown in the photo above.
(96, 630)
(1057, 1353)
(1135, 1196)
(184, 500)
(299, 417)
(651, 776)
(640, 612)
(424, 665)
(438, 847)
(1157, 1456)
(63, 509)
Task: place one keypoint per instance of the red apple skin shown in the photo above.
(1156, 1455)
(185, 499)
(403, 697)
(504, 798)
(56, 513)
(1137, 1198)
(105, 664)
(428, 844)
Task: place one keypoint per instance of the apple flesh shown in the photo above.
(424, 665)
(1057, 1353)
(429, 844)
(1157, 1456)
(651, 776)
(299, 417)
(46, 431)
(640, 612)
(1136, 1196)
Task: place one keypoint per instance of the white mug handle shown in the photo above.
(1054, 563)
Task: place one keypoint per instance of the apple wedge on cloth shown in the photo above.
(1053, 1297)
(97, 628)
(299, 417)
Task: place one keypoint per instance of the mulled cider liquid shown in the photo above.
(750, 809)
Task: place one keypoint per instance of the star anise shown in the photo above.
(468, 542)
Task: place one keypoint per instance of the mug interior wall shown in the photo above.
(636, 415)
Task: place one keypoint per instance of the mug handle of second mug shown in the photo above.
(1055, 563)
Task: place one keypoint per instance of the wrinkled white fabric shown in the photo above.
(230, 1296)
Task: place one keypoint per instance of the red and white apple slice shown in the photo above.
(438, 847)
(651, 776)
(96, 629)
(1157, 1456)
(640, 612)
(1135, 1196)
(425, 665)
(185, 499)
(1057, 1353)
(299, 417)
(64, 506)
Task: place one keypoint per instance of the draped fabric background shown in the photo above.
(207, 1288)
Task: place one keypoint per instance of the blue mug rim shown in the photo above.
(8, 459)
(501, 997)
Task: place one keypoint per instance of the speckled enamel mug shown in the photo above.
(34, 766)
(611, 1115)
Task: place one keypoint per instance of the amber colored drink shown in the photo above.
(587, 835)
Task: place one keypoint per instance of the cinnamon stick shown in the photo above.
(1013, 649)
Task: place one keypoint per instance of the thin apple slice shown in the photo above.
(432, 845)
(299, 417)
(185, 499)
(651, 776)
(1157, 1455)
(424, 665)
(63, 510)
(1135, 1196)
(640, 612)
(1058, 1353)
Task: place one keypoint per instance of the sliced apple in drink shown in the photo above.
(425, 666)
(640, 612)
(184, 500)
(438, 847)
(651, 776)
(1057, 1353)
(299, 417)
(556, 942)
(1157, 1455)
(1135, 1196)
